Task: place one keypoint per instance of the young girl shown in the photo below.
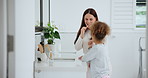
(97, 55)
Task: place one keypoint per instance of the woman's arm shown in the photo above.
(79, 44)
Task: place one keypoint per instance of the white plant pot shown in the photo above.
(44, 57)
(58, 45)
(52, 47)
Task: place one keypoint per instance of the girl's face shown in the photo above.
(89, 20)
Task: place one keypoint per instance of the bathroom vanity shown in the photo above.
(65, 65)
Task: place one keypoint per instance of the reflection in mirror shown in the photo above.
(122, 44)
(42, 12)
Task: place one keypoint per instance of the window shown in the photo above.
(140, 13)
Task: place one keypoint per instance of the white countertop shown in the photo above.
(63, 61)
(61, 66)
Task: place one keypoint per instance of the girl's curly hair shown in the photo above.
(99, 30)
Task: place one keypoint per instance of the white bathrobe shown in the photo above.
(83, 43)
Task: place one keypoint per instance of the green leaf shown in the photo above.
(46, 30)
(50, 33)
(46, 35)
(56, 35)
(50, 41)
(49, 24)
(51, 29)
(51, 36)
(56, 28)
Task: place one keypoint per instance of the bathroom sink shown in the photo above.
(64, 64)
(63, 59)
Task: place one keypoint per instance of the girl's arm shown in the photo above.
(79, 44)
(91, 54)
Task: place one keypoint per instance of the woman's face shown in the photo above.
(89, 20)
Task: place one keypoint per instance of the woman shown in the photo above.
(83, 38)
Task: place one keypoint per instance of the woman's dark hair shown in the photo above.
(87, 11)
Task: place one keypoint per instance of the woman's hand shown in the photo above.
(90, 44)
(80, 58)
(83, 29)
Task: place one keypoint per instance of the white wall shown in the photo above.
(24, 38)
(124, 53)
(3, 39)
(68, 14)
(21, 21)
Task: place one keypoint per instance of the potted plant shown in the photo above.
(51, 33)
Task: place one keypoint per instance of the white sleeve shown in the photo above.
(91, 54)
(79, 44)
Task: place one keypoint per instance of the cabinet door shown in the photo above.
(123, 13)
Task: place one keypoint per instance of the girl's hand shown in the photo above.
(90, 44)
(80, 58)
(83, 29)
(88, 64)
